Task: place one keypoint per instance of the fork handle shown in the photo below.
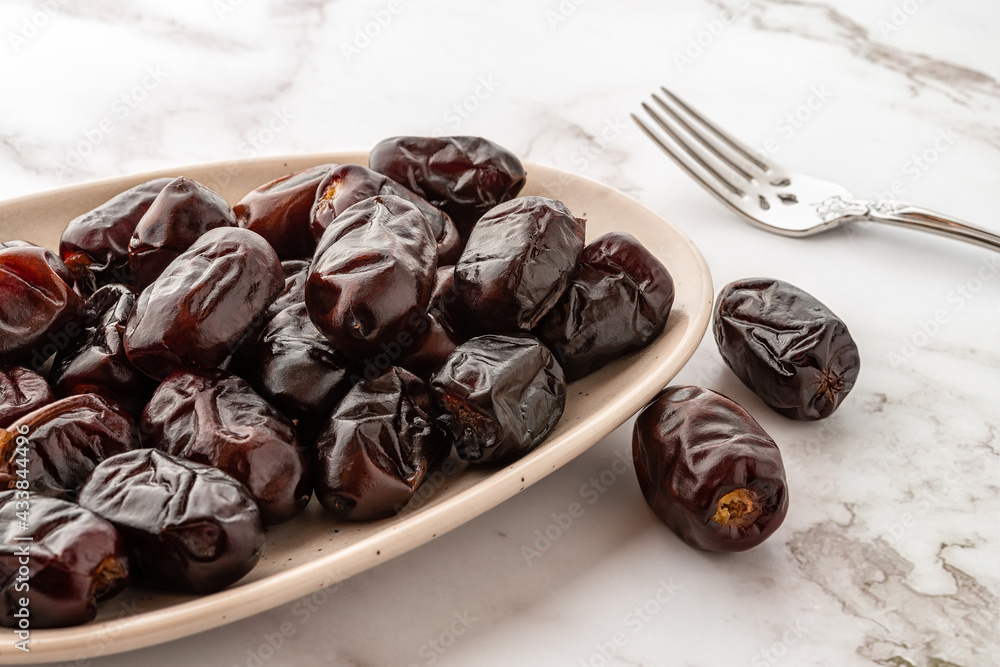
(916, 217)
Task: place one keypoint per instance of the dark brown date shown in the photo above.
(95, 362)
(216, 418)
(517, 264)
(789, 348)
(372, 276)
(180, 214)
(73, 559)
(502, 396)
(463, 176)
(298, 369)
(294, 291)
(22, 391)
(190, 527)
(95, 244)
(618, 300)
(50, 257)
(38, 308)
(708, 470)
(349, 184)
(66, 440)
(279, 211)
(198, 310)
(377, 447)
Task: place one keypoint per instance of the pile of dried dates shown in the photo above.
(186, 372)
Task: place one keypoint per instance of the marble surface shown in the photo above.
(891, 548)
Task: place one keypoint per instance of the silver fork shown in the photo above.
(773, 197)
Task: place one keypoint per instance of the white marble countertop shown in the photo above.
(891, 548)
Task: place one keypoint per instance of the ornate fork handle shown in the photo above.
(906, 215)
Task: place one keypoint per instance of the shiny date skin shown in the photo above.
(280, 211)
(182, 212)
(95, 362)
(349, 184)
(68, 438)
(786, 346)
(502, 396)
(377, 447)
(73, 559)
(196, 313)
(297, 369)
(708, 470)
(618, 301)
(189, 527)
(50, 258)
(95, 245)
(38, 308)
(216, 418)
(372, 275)
(517, 264)
(22, 391)
(463, 176)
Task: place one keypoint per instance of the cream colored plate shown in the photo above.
(314, 550)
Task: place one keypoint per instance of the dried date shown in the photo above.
(190, 527)
(216, 418)
(463, 176)
(789, 348)
(280, 211)
(618, 301)
(95, 245)
(517, 264)
(349, 184)
(67, 439)
(372, 275)
(22, 391)
(70, 560)
(198, 310)
(377, 447)
(38, 308)
(708, 470)
(502, 396)
(181, 213)
(298, 369)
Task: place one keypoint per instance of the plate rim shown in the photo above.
(208, 612)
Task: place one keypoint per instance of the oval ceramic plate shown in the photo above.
(315, 550)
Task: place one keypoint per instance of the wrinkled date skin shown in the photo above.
(463, 176)
(708, 470)
(95, 362)
(517, 264)
(67, 439)
(190, 527)
(502, 396)
(182, 212)
(75, 558)
(618, 300)
(95, 244)
(377, 447)
(216, 418)
(22, 391)
(196, 313)
(789, 348)
(372, 276)
(349, 184)
(50, 258)
(38, 308)
(298, 369)
(280, 211)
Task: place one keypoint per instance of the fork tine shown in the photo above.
(686, 161)
(688, 158)
(724, 136)
(705, 142)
